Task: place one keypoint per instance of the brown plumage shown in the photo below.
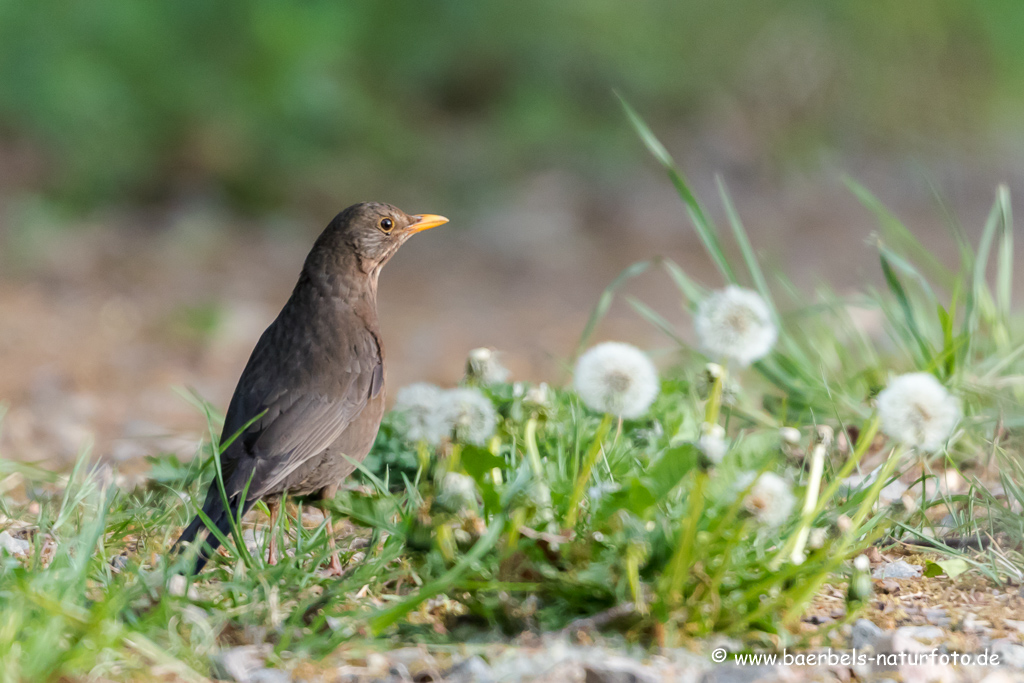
(316, 375)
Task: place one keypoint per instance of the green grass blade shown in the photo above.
(1004, 274)
(656, 319)
(753, 267)
(604, 302)
(691, 291)
(898, 234)
(896, 287)
(703, 225)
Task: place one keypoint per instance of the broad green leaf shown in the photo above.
(953, 567)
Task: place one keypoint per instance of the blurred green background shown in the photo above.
(265, 104)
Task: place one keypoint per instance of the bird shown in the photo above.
(310, 400)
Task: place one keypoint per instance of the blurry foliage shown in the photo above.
(265, 102)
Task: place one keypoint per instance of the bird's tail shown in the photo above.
(214, 510)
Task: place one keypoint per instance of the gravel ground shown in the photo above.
(558, 660)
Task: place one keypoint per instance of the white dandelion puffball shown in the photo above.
(790, 435)
(538, 396)
(457, 492)
(712, 443)
(483, 365)
(817, 538)
(735, 324)
(469, 416)
(616, 378)
(916, 410)
(422, 407)
(770, 500)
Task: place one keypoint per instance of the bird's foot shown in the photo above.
(334, 567)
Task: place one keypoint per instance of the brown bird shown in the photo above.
(315, 379)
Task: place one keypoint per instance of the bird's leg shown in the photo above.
(334, 568)
(275, 508)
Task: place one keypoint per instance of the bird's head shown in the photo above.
(373, 232)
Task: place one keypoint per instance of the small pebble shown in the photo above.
(898, 570)
(269, 676)
(864, 633)
(926, 633)
(239, 663)
(617, 670)
(14, 546)
(469, 671)
(1010, 654)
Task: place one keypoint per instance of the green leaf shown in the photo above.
(670, 469)
(953, 567)
(479, 461)
(636, 497)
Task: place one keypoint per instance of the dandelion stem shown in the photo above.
(634, 555)
(584, 476)
(733, 537)
(610, 449)
(799, 541)
(423, 458)
(680, 564)
(446, 542)
(924, 488)
(872, 496)
(864, 441)
(518, 520)
(455, 458)
(532, 452)
(715, 399)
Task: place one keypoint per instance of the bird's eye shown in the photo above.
(386, 224)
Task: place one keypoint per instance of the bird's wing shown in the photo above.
(293, 431)
(298, 422)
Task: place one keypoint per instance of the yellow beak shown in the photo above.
(426, 221)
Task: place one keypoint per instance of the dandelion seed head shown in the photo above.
(456, 492)
(483, 366)
(706, 381)
(816, 539)
(617, 379)
(422, 408)
(916, 410)
(539, 495)
(712, 443)
(861, 563)
(468, 415)
(538, 396)
(790, 435)
(598, 491)
(735, 324)
(770, 500)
